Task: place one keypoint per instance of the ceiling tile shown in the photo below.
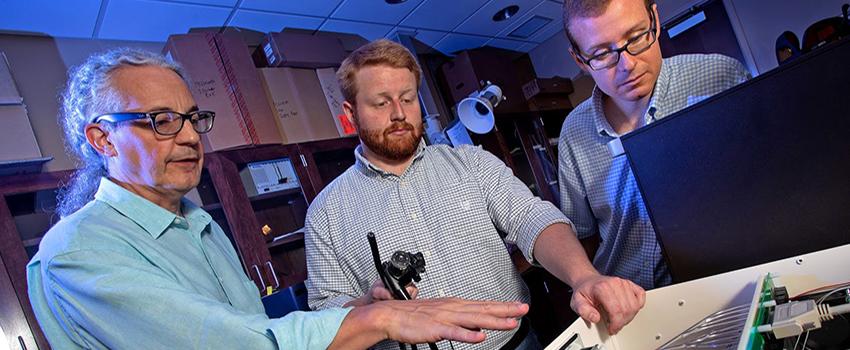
(73, 19)
(377, 11)
(228, 3)
(548, 10)
(506, 44)
(547, 32)
(155, 21)
(527, 47)
(454, 42)
(481, 23)
(320, 8)
(370, 31)
(272, 22)
(442, 14)
(428, 37)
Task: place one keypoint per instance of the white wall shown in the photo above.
(756, 23)
(761, 22)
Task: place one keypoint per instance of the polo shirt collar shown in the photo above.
(659, 93)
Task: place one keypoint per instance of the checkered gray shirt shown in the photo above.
(448, 204)
(599, 193)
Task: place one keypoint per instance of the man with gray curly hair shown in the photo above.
(132, 264)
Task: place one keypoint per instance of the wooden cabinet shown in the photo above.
(276, 259)
(27, 203)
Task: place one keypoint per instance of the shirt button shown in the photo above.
(441, 293)
(414, 216)
(427, 253)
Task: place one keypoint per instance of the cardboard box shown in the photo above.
(350, 42)
(22, 145)
(248, 89)
(334, 98)
(300, 107)
(200, 58)
(544, 86)
(548, 102)
(224, 80)
(8, 90)
(300, 50)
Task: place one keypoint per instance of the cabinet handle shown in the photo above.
(21, 341)
(303, 160)
(274, 274)
(260, 275)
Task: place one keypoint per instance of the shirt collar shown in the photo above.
(369, 169)
(653, 112)
(149, 216)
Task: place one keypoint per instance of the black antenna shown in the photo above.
(376, 255)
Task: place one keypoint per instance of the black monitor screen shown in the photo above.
(757, 173)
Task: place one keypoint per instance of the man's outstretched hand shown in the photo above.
(616, 299)
(426, 320)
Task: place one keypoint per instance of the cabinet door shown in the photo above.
(281, 211)
(327, 159)
(14, 328)
(26, 212)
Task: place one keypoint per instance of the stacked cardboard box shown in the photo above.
(300, 107)
(14, 120)
(223, 79)
(334, 98)
(302, 50)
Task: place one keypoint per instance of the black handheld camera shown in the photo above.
(399, 271)
(402, 269)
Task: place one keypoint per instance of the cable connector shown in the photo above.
(793, 318)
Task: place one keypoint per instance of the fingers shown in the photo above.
(432, 320)
(584, 308)
(616, 299)
(497, 309)
(412, 290)
(476, 315)
(626, 299)
(379, 293)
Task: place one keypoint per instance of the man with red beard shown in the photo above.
(448, 203)
(615, 42)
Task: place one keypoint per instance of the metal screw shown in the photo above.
(799, 261)
(681, 302)
(658, 336)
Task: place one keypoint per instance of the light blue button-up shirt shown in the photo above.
(124, 273)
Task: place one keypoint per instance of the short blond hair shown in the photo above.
(376, 53)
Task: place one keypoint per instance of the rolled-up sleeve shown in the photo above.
(511, 205)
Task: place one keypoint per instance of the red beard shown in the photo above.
(392, 147)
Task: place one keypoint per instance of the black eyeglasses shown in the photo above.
(165, 123)
(634, 46)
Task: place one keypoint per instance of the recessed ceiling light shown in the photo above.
(505, 13)
(393, 2)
